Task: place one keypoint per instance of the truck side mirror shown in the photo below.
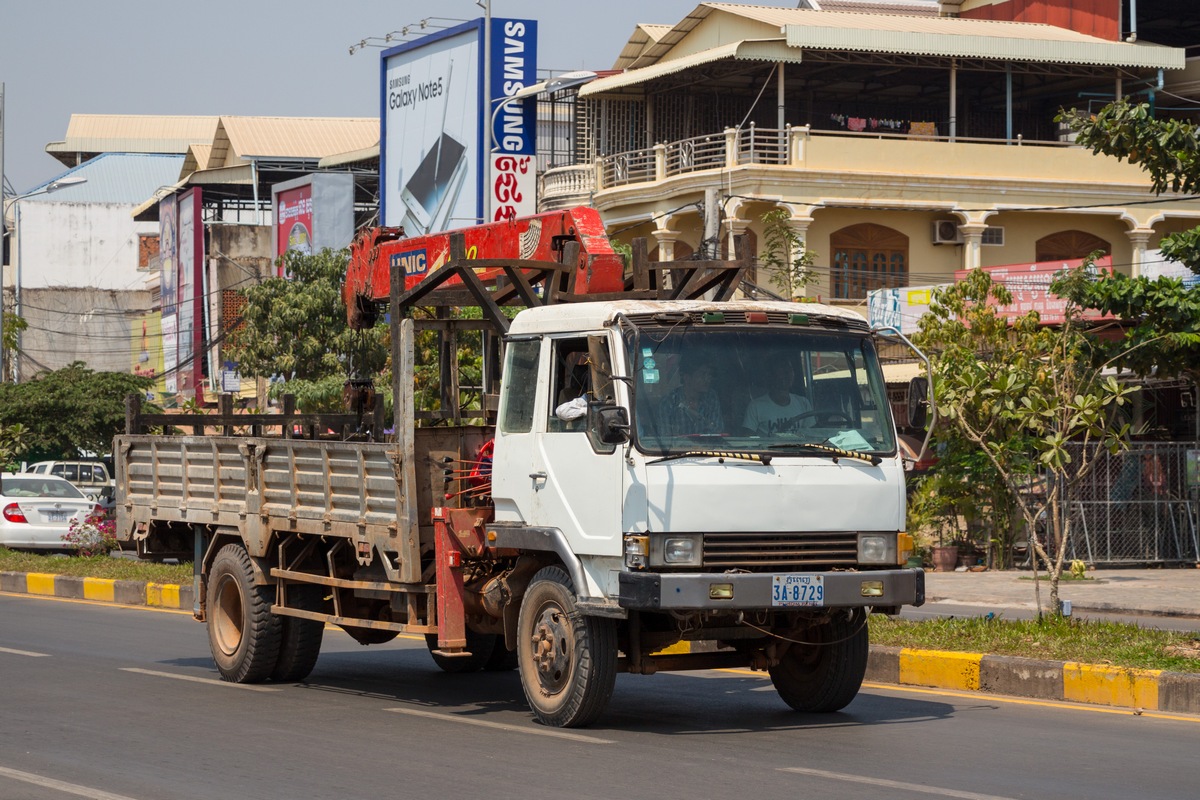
(609, 424)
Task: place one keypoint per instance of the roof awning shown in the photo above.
(1014, 42)
(773, 50)
(142, 212)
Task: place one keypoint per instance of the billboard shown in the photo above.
(146, 348)
(190, 296)
(1155, 266)
(439, 156)
(1030, 288)
(900, 307)
(168, 251)
(312, 213)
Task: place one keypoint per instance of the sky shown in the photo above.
(247, 57)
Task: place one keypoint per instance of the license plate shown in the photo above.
(797, 590)
(55, 516)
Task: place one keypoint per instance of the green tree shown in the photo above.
(70, 410)
(295, 329)
(1031, 397)
(1162, 317)
(13, 325)
(784, 255)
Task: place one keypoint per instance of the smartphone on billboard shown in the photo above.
(433, 188)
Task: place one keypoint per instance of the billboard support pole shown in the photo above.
(487, 105)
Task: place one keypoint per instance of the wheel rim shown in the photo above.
(228, 618)
(553, 640)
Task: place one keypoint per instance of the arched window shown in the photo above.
(1066, 245)
(865, 257)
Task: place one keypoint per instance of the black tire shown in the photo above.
(481, 646)
(825, 673)
(300, 639)
(568, 661)
(243, 634)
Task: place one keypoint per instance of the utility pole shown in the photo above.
(487, 109)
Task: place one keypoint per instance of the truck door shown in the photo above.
(580, 493)
(513, 466)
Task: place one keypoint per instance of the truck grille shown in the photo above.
(760, 552)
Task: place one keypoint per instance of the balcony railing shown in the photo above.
(562, 187)
(746, 146)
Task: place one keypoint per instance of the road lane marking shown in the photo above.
(23, 653)
(502, 726)
(60, 786)
(911, 787)
(195, 679)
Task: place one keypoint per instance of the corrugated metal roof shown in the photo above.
(291, 137)
(970, 38)
(644, 34)
(116, 178)
(926, 35)
(773, 50)
(131, 133)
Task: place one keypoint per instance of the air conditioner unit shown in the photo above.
(945, 231)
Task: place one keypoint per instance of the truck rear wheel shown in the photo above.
(243, 634)
(300, 639)
(825, 672)
(568, 661)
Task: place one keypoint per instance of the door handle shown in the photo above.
(538, 476)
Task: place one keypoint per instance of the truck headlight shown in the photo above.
(678, 550)
(877, 548)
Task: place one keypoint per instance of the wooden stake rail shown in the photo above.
(288, 424)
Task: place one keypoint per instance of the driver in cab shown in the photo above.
(779, 410)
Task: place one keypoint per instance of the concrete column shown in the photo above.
(731, 152)
(660, 162)
(972, 233)
(1139, 238)
(666, 244)
(797, 141)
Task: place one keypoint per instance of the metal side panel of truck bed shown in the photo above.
(348, 490)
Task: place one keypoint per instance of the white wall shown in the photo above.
(79, 245)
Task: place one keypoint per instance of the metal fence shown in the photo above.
(1140, 506)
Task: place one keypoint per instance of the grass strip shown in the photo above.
(125, 569)
(1115, 644)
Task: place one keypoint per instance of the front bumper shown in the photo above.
(655, 591)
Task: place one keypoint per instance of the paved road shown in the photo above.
(122, 704)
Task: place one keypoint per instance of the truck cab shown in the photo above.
(754, 440)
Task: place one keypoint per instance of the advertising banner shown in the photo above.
(190, 306)
(294, 220)
(170, 353)
(146, 349)
(512, 180)
(900, 308)
(436, 151)
(312, 213)
(1155, 266)
(168, 251)
(1030, 288)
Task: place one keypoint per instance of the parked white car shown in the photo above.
(36, 511)
(92, 476)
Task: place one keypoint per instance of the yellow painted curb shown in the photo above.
(39, 583)
(162, 594)
(101, 589)
(942, 669)
(1111, 686)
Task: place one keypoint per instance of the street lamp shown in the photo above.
(5, 205)
(567, 80)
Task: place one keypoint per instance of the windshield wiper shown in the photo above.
(760, 458)
(836, 452)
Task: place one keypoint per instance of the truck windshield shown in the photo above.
(755, 389)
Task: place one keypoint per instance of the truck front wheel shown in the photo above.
(822, 669)
(567, 661)
(243, 634)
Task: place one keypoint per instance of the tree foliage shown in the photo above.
(295, 329)
(1163, 316)
(1031, 397)
(69, 410)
